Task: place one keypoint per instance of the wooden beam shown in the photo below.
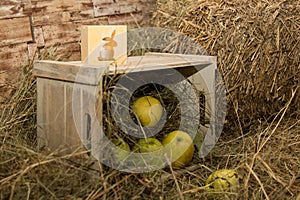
(68, 71)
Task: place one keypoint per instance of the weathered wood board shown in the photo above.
(15, 30)
(56, 125)
(93, 21)
(61, 33)
(44, 7)
(39, 36)
(11, 66)
(105, 8)
(69, 51)
(62, 17)
(130, 12)
(13, 8)
(130, 19)
(67, 71)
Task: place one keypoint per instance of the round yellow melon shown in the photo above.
(223, 180)
(180, 148)
(148, 110)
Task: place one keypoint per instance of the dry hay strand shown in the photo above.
(266, 158)
(257, 46)
(18, 113)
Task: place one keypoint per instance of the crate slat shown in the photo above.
(67, 71)
(56, 129)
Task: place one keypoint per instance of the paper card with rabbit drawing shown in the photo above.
(104, 44)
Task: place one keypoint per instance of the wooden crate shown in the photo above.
(65, 88)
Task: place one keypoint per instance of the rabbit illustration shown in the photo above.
(107, 51)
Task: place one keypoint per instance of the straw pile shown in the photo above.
(257, 46)
(266, 159)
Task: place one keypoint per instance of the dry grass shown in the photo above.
(257, 45)
(267, 158)
(264, 151)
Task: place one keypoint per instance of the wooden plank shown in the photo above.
(11, 33)
(32, 51)
(73, 128)
(54, 11)
(125, 7)
(11, 64)
(83, 111)
(149, 63)
(51, 113)
(39, 36)
(51, 18)
(82, 14)
(98, 2)
(42, 104)
(127, 19)
(65, 52)
(68, 71)
(13, 8)
(69, 51)
(61, 33)
(62, 17)
(61, 125)
(93, 21)
(44, 7)
(11, 57)
(56, 128)
(106, 8)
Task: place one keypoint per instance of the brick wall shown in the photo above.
(29, 26)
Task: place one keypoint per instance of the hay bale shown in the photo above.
(257, 45)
